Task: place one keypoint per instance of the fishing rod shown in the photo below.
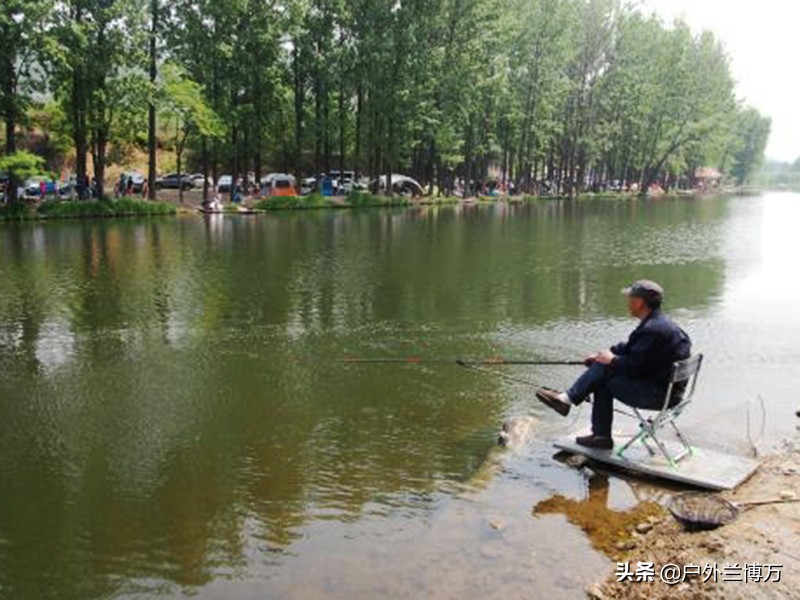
(419, 360)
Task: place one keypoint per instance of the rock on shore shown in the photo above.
(762, 535)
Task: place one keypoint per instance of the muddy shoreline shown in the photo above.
(765, 536)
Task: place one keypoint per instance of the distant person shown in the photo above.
(213, 204)
(118, 189)
(447, 184)
(145, 189)
(42, 189)
(129, 186)
(635, 372)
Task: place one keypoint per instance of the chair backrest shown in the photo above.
(685, 371)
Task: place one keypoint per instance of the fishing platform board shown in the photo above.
(702, 468)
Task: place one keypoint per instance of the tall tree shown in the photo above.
(185, 111)
(23, 42)
(152, 142)
(102, 44)
(751, 136)
(553, 94)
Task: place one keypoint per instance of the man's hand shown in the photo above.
(589, 360)
(604, 358)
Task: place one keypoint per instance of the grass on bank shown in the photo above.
(128, 207)
(295, 202)
(75, 209)
(355, 200)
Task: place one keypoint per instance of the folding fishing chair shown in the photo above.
(684, 373)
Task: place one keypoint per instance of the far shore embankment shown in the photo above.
(169, 204)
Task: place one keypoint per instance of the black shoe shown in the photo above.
(551, 399)
(593, 441)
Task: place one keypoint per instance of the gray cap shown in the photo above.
(644, 288)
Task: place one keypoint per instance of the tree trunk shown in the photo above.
(342, 127)
(233, 161)
(178, 160)
(205, 168)
(79, 134)
(431, 166)
(326, 129)
(298, 105)
(9, 93)
(389, 166)
(151, 117)
(99, 159)
(359, 109)
(317, 124)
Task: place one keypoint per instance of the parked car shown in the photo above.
(343, 181)
(347, 183)
(308, 186)
(137, 181)
(224, 184)
(173, 181)
(33, 187)
(198, 181)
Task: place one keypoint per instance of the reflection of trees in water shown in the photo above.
(197, 401)
(178, 449)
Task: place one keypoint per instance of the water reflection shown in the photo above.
(605, 527)
(172, 412)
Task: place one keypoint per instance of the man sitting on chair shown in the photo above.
(635, 372)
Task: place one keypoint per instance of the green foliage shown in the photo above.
(749, 141)
(361, 200)
(182, 102)
(567, 92)
(779, 175)
(23, 44)
(56, 209)
(124, 207)
(295, 202)
(16, 211)
(21, 165)
(354, 200)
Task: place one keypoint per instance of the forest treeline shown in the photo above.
(572, 92)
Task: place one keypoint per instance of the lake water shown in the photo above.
(175, 418)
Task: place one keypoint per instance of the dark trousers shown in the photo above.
(604, 385)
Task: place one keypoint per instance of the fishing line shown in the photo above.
(754, 445)
(522, 381)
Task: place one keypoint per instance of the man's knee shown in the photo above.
(600, 371)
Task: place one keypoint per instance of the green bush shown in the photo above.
(19, 211)
(363, 199)
(124, 207)
(295, 202)
(359, 199)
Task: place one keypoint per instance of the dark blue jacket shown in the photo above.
(651, 350)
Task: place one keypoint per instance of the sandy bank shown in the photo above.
(761, 536)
